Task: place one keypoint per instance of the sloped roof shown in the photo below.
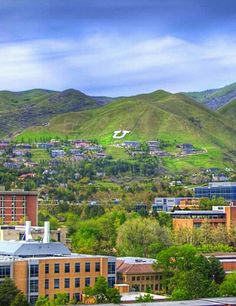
(33, 249)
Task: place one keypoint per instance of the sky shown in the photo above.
(117, 47)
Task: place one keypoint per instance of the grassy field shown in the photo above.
(229, 110)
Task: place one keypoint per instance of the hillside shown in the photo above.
(215, 98)
(229, 110)
(19, 110)
(174, 118)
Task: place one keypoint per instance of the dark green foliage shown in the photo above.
(20, 300)
(8, 292)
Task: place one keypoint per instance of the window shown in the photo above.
(77, 282)
(33, 299)
(133, 278)
(111, 281)
(46, 284)
(34, 270)
(111, 267)
(56, 283)
(138, 278)
(77, 297)
(67, 283)
(87, 281)
(87, 267)
(67, 268)
(34, 285)
(97, 267)
(56, 268)
(46, 268)
(77, 267)
(5, 271)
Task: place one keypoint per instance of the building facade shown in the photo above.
(194, 219)
(139, 274)
(16, 206)
(45, 269)
(226, 190)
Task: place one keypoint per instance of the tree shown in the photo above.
(100, 289)
(146, 298)
(141, 237)
(188, 274)
(43, 301)
(20, 300)
(228, 287)
(102, 293)
(61, 299)
(8, 292)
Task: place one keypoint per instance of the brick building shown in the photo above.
(16, 206)
(47, 268)
(138, 273)
(193, 219)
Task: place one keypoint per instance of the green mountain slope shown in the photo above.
(171, 117)
(19, 110)
(229, 110)
(215, 98)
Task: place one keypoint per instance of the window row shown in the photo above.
(67, 267)
(138, 278)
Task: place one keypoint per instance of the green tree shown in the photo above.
(100, 289)
(43, 301)
(146, 298)
(61, 299)
(8, 292)
(228, 287)
(20, 300)
(141, 237)
(113, 295)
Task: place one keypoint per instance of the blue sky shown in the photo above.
(111, 47)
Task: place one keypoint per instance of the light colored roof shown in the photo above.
(33, 249)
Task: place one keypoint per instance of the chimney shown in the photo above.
(28, 236)
(46, 237)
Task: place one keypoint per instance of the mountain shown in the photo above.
(215, 98)
(229, 110)
(173, 118)
(19, 110)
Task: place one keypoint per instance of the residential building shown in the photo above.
(131, 144)
(138, 273)
(194, 219)
(226, 190)
(18, 205)
(57, 153)
(47, 268)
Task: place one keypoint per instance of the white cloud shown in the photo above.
(118, 65)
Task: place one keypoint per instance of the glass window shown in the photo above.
(34, 285)
(33, 299)
(97, 267)
(77, 267)
(87, 267)
(46, 268)
(67, 283)
(5, 271)
(56, 268)
(34, 270)
(77, 297)
(111, 267)
(67, 268)
(87, 281)
(77, 282)
(46, 284)
(111, 281)
(56, 283)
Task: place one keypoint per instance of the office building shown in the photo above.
(47, 268)
(17, 206)
(226, 190)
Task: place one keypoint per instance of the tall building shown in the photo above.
(16, 206)
(47, 268)
(226, 190)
